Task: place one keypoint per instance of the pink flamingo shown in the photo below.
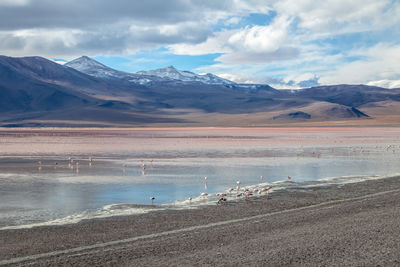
(247, 193)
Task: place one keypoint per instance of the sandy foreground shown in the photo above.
(355, 224)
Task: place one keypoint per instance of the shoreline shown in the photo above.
(132, 209)
(45, 239)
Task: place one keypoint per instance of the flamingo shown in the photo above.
(266, 189)
(144, 169)
(203, 194)
(247, 194)
(152, 200)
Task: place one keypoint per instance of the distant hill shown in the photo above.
(35, 91)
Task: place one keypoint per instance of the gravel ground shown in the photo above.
(321, 226)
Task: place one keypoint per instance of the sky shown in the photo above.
(286, 44)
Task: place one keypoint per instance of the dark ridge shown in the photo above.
(298, 115)
(359, 113)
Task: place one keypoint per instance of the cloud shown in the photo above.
(261, 38)
(10, 3)
(331, 41)
(282, 53)
(255, 44)
(114, 39)
(385, 83)
(59, 61)
(312, 82)
(103, 27)
(304, 81)
(92, 13)
(378, 63)
(213, 44)
(340, 15)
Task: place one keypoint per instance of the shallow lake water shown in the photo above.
(39, 184)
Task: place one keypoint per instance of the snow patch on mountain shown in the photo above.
(186, 76)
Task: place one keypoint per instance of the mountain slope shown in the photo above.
(30, 84)
(349, 95)
(30, 87)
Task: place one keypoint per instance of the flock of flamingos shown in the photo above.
(238, 191)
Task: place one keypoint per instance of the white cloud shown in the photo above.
(14, 2)
(261, 38)
(232, 21)
(31, 41)
(283, 53)
(378, 63)
(213, 44)
(59, 61)
(385, 83)
(340, 15)
(238, 78)
(256, 44)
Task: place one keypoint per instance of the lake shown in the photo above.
(56, 176)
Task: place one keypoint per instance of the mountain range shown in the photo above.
(36, 92)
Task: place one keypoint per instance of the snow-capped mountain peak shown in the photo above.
(85, 63)
(94, 68)
(168, 72)
(171, 72)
